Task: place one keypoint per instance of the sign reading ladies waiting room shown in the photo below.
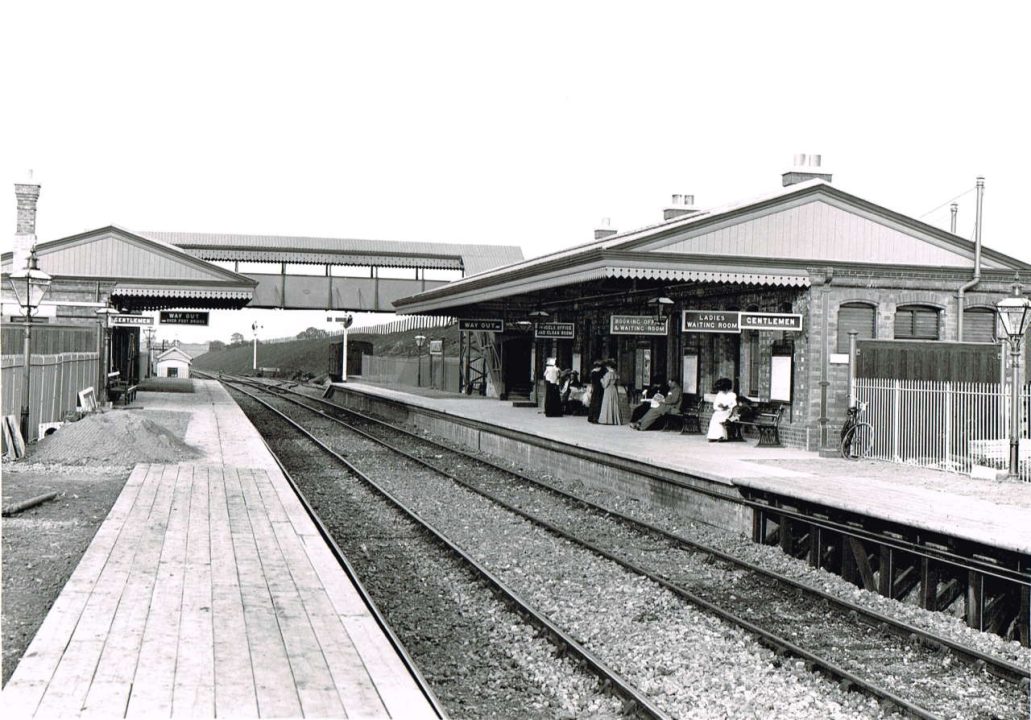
(638, 325)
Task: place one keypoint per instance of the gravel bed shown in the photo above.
(691, 664)
(481, 658)
(771, 558)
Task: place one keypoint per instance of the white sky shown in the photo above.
(521, 124)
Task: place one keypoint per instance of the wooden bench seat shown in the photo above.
(766, 421)
(688, 419)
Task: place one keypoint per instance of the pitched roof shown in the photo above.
(150, 274)
(770, 239)
(174, 351)
(347, 251)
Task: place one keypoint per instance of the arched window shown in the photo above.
(858, 317)
(979, 325)
(916, 322)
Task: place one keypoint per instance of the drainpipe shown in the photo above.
(977, 258)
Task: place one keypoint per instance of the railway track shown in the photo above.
(730, 588)
(633, 702)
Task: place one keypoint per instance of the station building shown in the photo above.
(763, 292)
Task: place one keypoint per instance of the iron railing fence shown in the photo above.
(950, 426)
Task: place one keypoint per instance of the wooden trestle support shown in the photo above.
(989, 585)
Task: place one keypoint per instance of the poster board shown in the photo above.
(87, 400)
(781, 369)
(689, 381)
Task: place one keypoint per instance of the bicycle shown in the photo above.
(856, 435)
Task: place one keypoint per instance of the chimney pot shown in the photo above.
(604, 231)
(806, 167)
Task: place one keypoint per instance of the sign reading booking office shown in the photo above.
(727, 321)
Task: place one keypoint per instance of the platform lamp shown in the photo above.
(420, 340)
(103, 318)
(30, 285)
(536, 317)
(1013, 311)
(662, 304)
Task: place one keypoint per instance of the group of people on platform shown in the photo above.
(565, 394)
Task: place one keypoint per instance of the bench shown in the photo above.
(765, 420)
(688, 419)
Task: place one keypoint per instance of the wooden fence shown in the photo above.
(944, 425)
(53, 391)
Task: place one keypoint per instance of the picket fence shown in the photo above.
(950, 426)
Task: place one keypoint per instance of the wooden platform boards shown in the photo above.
(207, 593)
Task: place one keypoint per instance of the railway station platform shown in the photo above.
(991, 513)
(208, 591)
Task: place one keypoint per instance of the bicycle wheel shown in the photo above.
(858, 441)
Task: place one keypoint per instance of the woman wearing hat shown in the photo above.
(552, 396)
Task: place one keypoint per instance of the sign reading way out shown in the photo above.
(483, 325)
(184, 317)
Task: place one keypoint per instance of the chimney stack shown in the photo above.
(25, 235)
(807, 167)
(604, 231)
(682, 205)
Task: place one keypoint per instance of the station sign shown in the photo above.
(771, 321)
(712, 321)
(638, 325)
(134, 320)
(557, 330)
(482, 325)
(726, 321)
(183, 317)
(436, 347)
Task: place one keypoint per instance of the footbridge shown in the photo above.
(309, 273)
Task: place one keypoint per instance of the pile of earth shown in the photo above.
(112, 438)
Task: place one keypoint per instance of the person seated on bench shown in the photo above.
(723, 405)
(645, 404)
(743, 412)
(669, 404)
(572, 391)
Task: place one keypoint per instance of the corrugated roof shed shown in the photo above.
(347, 251)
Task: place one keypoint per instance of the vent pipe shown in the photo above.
(955, 211)
(977, 258)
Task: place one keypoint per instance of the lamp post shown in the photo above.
(30, 284)
(150, 347)
(419, 341)
(661, 304)
(1013, 311)
(104, 356)
(345, 321)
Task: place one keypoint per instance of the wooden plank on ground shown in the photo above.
(273, 680)
(112, 682)
(194, 691)
(234, 679)
(154, 679)
(314, 682)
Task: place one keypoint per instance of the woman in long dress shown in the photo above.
(723, 405)
(610, 414)
(552, 399)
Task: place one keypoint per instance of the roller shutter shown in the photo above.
(861, 318)
(915, 322)
(979, 325)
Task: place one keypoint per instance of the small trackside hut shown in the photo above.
(764, 292)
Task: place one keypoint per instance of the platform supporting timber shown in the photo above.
(991, 584)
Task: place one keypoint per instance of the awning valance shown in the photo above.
(670, 274)
(181, 293)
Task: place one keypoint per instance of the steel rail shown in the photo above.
(960, 561)
(997, 666)
(775, 642)
(634, 699)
